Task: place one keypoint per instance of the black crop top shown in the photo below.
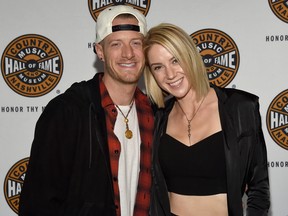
(196, 170)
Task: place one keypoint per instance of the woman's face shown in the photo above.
(167, 71)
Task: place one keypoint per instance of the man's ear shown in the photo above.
(99, 51)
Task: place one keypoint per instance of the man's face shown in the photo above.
(122, 53)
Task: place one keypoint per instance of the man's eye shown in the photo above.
(138, 43)
(115, 44)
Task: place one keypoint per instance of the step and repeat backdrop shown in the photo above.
(45, 46)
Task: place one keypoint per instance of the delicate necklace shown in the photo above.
(128, 132)
(189, 120)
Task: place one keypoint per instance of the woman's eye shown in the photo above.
(156, 68)
(175, 61)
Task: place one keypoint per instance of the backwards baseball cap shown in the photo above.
(104, 21)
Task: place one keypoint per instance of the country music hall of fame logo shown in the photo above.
(220, 55)
(14, 182)
(32, 65)
(280, 9)
(277, 119)
(96, 6)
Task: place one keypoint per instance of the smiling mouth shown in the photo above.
(128, 64)
(176, 83)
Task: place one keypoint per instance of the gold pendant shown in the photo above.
(128, 134)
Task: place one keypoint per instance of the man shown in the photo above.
(85, 157)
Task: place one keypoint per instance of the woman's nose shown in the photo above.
(170, 72)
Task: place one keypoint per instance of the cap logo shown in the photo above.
(125, 27)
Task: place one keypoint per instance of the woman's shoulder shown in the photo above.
(235, 95)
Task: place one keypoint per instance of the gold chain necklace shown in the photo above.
(128, 132)
(189, 120)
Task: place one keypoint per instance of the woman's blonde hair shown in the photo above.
(183, 48)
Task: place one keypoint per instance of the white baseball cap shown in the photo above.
(106, 17)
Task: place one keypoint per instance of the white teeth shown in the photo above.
(175, 83)
(128, 65)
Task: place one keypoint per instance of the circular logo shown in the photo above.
(280, 9)
(277, 119)
(220, 55)
(96, 6)
(14, 182)
(32, 65)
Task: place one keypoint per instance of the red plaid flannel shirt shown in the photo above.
(146, 123)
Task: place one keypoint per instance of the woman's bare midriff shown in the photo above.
(186, 205)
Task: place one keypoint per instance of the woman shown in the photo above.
(209, 146)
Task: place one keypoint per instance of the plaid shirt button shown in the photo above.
(145, 120)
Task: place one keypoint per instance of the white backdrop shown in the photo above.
(261, 36)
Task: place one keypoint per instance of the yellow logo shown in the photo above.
(32, 65)
(280, 9)
(277, 119)
(96, 6)
(220, 55)
(14, 182)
